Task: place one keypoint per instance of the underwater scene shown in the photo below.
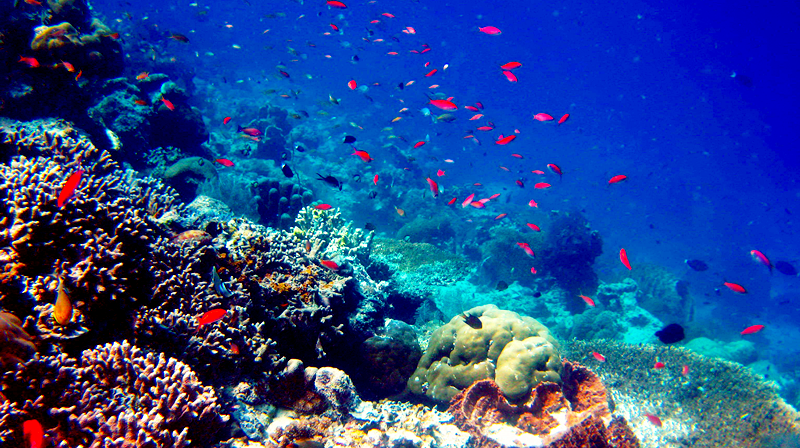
(399, 223)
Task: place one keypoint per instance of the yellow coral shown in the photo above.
(517, 350)
(51, 37)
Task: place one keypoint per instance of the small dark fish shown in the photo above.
(349, 139)
(502, 286)
(537, 294)
(299, 148)
(330, 180)
(697, 265)
(785, 268)
(219, 286)
(369, 226)
(401, 86)
(473, 321)
(373, 194)
(671, 334)
(355, 58)
(682, 288)
(287, 171)
(357, 177)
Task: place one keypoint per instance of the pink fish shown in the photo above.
(323, 207)
(490, 30)
(653, 419)
(510, 76)
(534, 227)
(752, 329)
(659, 365)
(542, 186)
(375, 180)
(69, 187)
(434, 187)
(330, 264)
(761, 258)
(542, 117)
(623, 257)
(685, 370)
(363, 155)
(587, 299)
(468, 200)
(443, 104)
(527, 248)
(506, 140)
(599, 357)
(224, 162)
(533, 203)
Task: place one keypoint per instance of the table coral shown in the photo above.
(114, 395)
(516, 350)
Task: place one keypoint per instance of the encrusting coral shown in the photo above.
(516, 351)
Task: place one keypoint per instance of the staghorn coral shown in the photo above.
(516, 350)
(332, 236)
(115, 395)
(568, 416)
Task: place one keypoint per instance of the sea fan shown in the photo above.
(15, 344)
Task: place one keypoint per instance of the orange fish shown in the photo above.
(78, 76)
(363, 155)
(140, 102)
(330, 264)
(142, 75)
(434, 186)
(62, 310)
(564, 118)
(210, 317)
(35, 3)
(114, 36)
(352, 84)
(323, 207)
(443, 104)
(32, 62)
(534, 227)
(472, 108)
(735, 287)
(500, 216)
(168, 103)
(752, 329)
(542, 185)
(653, 419)
(490, 30)
(419, 143)
(70, 68)
(69, 187)
(599, 357)
(761, 258)
(623, 257)
(506, 140)
(510, 76)
(617, 179)
(587, 299)
(527, 248)
(400, 211)
(193, 235)
(510, 65)
(33, 433)
(542, 117)
(659, 365)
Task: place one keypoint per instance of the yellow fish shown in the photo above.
(62, 310)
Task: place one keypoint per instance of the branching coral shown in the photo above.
(15, 344)
(516, 350)
(114, 395)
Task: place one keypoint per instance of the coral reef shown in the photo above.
(501, 259)
(517, 351)
(114, 395)
(279, 202)
(15, 343)
(717, 403)
(570, 415)
(570, 251)
(389, 359)
(185, 175)
(664, 296)
(436, 230)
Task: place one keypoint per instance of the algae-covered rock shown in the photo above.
(665, 296)
(516, 351)
(187, 174)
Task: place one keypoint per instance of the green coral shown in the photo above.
(435, 230)
(516, 351)
(505, 260)
(408, 257)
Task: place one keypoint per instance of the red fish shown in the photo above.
(484, 128)
(323, 207)
(443, 104)
(33, 433)
(69, 187)
(539, 172)
(510, 65)
(494, 196)
(252, 132)
(500, 216)
(490, 30)
(431, 73)
(389, 15)
(519, 156)
(735, 287)
(330, 264)
(527, 248)
(653, 419)
(419, 143)
(375, 180)
(70, 68)
(587, 299)
(334, 27)
(659, 365)
(555, 169)
(623, 257)
(564, 118)
(534, 227)
(685, 370)
(542, 117)
(475, 117)
(226, 120)
(542, 185)
(617, 179)
(224, 162)
(533, 270)
(140, 102)
(518, 181)
(336, 4)
(510, 76)
(439, 173)
(472, 108)
(168, 103)
(363, 155)
(451, 201)
(533, 203)
(468, 200)
(599, 357)
(479, 105)
(352, 84)
(506, 140)
(761, 258)
(752, 329)
(210, 317)
(434, 187)
(32, 62)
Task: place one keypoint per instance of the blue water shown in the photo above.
(695, 103)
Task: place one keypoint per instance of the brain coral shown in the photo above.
(516, 351)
